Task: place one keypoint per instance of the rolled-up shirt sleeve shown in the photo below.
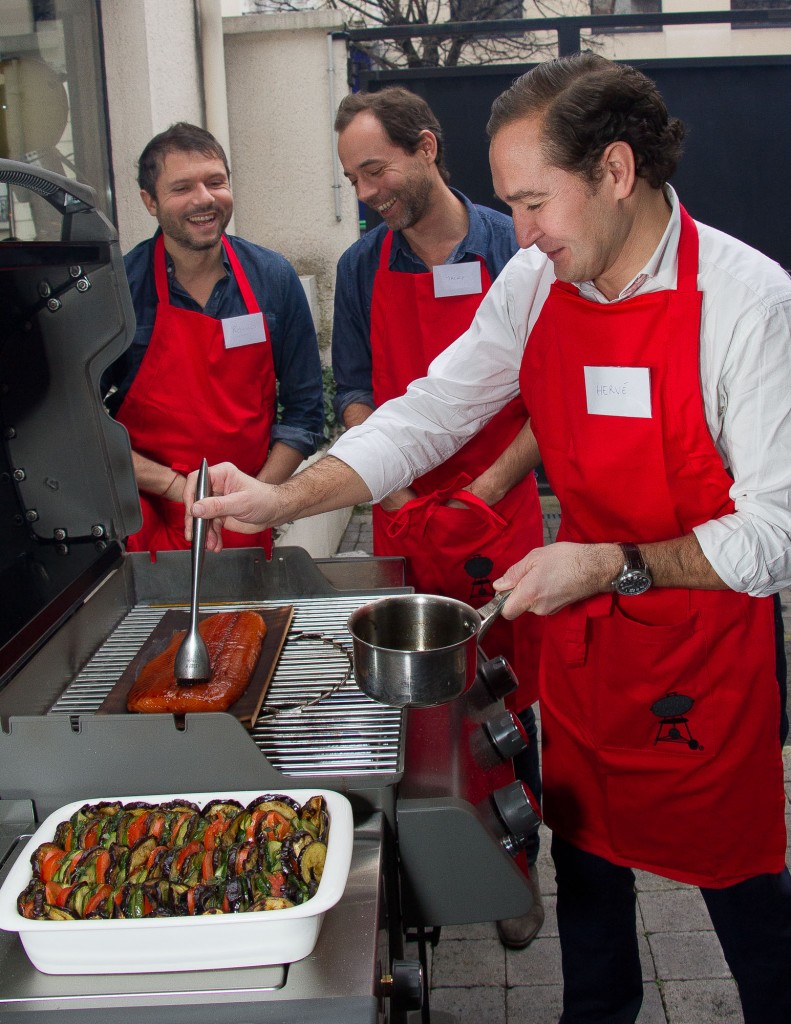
(750, 548)
(466, 385)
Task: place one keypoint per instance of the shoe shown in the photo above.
(519, 932)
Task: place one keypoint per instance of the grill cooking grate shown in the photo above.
(345, 733)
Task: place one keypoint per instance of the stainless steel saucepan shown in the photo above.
(418, 650)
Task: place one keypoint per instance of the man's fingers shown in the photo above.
(214, 508)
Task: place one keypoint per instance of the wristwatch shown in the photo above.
(635, 577)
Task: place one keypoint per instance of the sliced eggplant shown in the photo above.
(271, 903)
(275, 802)
(227, 809)
(311, 861)
(136, 870)
(313, 814)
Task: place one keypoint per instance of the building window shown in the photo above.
(51, 107)
(626, 6)
(783, 8)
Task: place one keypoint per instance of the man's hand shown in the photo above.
(237, 502)
(242, 503)
(549, 578)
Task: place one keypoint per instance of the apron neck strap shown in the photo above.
(161, 275)
(241, 279)
(384, 252)
(160, 272)
(687, 279)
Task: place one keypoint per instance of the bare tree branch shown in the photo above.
(440, 50)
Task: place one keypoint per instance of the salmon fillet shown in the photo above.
(234, 642)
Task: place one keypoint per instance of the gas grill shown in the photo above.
(436, 808)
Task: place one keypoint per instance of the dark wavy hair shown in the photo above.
(587, 102)
(401, 113)
(182, 137)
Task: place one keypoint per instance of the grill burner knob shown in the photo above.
(404, 986)
(499, 677)
(518, 812)
(507, 734)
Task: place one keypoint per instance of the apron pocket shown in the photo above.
(655, 695)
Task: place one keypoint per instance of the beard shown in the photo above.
(414, 199)
(194, 237)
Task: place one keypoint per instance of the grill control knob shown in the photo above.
(404, 985)
(507, 734)
(499, 677)
(518, 812)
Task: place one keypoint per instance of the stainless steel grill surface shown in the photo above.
(343, 733)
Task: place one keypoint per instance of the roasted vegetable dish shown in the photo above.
(115, 860)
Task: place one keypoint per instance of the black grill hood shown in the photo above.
(67, 488)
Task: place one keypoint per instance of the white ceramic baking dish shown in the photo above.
(180, 943)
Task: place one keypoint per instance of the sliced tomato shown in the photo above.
(276, 825)
(207, 866)
(177, 825)
(50, 863)
(102, 866)
(242, 854)
(276, 880)
(183, 853)
(137, 829)
(252, 828)
(153, 856)
(63, 895)
(51, 890)
(102, 893)
(90, 836)
(156, 824)
(212, 835)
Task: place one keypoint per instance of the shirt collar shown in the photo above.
(170, 267)
(474, 242)
(659, 273)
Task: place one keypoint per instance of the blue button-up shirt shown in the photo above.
(490, 236)
(300, 416)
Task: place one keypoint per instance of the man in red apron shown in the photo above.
(404, 292)
(201, 376)
(654, 356)
(659, 696)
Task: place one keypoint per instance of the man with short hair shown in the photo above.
(653, 355)
(403, 293)
(224, 333)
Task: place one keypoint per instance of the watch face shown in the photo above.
(633, 583)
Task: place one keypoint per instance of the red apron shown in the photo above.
(193, 398)
(454, 552)
(660, 712)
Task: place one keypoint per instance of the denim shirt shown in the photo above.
(490, 236)
(300, 416)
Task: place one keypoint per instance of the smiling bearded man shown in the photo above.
(223, 331)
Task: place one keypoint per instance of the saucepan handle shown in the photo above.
(491, 610)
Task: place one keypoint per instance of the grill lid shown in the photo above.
(67, 488)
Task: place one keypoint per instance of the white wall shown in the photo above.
(153, 79)
(282, 142)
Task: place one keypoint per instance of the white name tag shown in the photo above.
(618, 391)
(457, 279)
(244, 330)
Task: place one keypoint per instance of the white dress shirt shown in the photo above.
(745, 372)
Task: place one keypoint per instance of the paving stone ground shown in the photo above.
(686, 980)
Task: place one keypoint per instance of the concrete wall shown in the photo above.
(153, 79)
(279, 84)
(280, 91)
